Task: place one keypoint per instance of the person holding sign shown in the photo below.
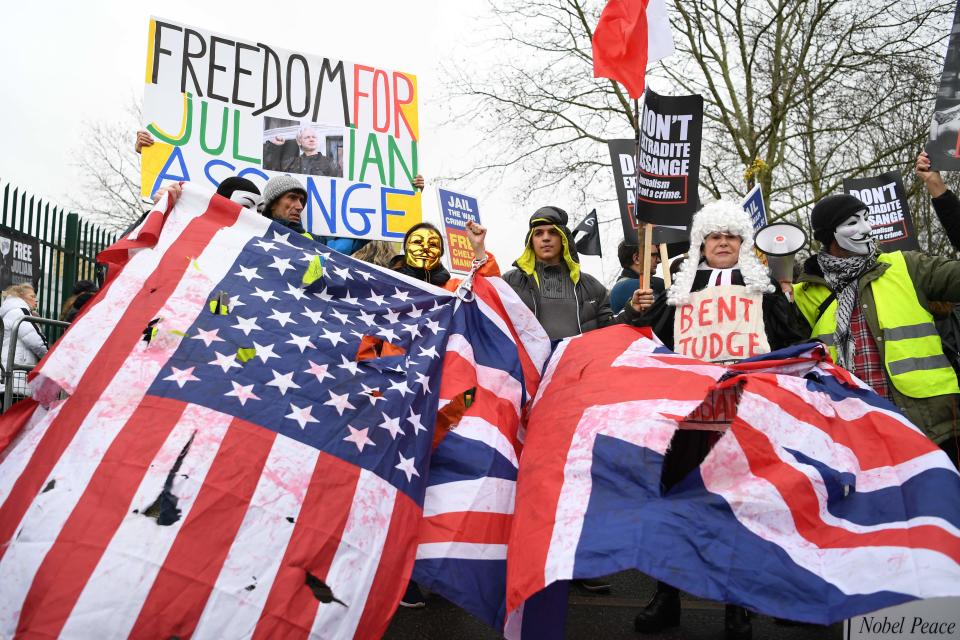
(723, 307)
(548, 279)
(871, 310)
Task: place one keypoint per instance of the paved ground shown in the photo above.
(599, 617)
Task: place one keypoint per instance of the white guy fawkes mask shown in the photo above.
(247, 199)
(855, 234)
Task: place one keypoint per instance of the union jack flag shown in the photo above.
(227, 462)
(818, 503)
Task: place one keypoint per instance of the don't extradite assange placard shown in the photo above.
(218, 106)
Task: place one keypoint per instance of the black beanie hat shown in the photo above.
(549, 215)
(236, 183)
(830, 212)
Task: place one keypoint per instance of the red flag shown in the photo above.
(629, 35)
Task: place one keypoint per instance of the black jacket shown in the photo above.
(781, 320)
(594, 302)
(947, 208)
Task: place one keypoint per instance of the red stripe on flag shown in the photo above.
(394, 571)
(13, 421)
(459, 375)
(124, 337)
(291, 607)
(871, 446)
(466, 526)
(105, 502)
(183, 585)
(581, 380)
(801, 498)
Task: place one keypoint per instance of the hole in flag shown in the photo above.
(164, 509)
(50, 485)
(372, 347)
(321, 591)
(449, 416)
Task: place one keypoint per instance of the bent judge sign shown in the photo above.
(720, 324)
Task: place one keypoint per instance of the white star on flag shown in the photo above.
(342, 317)
(415, 312)
(323, 295)
(388, 333)
(359, 438)
(431, 353)
(282, 239)
(367, 318)
(343, 273)
(242, 393)
(264, 352)
(434, 326)
(182, 376)
(333, 337)
(349, 299)
(264, 295)
(283, 317)
(235, 302)
(319, 370)
(339, 402)
(377, 298)
(414, 421)
(283, 382)
(373, 393)
(349, 365)
(208, 337)
(246, 325)
(364, 275)
(392, 425)
(412, 329)
(248, 273)
(315, 316)
(266, 245)
(406, 465)
(391, 316)
(423, 381)
(402, 296)
(281, 264)
(302, 342)
(296, 292)
(400, 386)
(302, 415)
(225, 361)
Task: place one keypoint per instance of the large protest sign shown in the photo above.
(933, 618)
(943, 144)
(886, 199)
(457, 209)
(622, 153)
(218, 106)
(19, 258)
(721, 324)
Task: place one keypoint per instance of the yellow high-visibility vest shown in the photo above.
(911, 347)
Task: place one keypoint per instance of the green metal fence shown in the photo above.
(68, 246)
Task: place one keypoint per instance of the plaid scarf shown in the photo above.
(842, 275)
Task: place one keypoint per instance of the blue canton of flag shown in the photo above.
(302, 378)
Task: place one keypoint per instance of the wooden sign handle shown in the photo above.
(647, 235)
(665, 265)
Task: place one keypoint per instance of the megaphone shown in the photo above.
(780, 241)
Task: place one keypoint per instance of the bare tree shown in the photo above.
(110, 187)
(798, 93)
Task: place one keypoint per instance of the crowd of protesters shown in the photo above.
(876, 312)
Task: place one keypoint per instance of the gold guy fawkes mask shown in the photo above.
(423, 249)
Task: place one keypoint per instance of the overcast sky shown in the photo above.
(68, 62)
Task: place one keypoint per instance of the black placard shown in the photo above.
(886, 199)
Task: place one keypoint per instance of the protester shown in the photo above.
(871, 309)
(723, 233)
(283, 200)
(423, 248)
(549, 280)
(629, 280)
(83, 291)
(20, 300)
(945, 202)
